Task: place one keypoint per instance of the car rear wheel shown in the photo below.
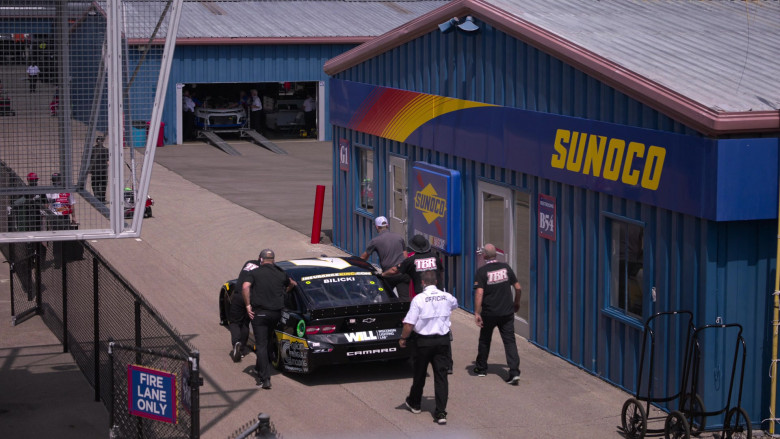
(275, 353)
(224, 306)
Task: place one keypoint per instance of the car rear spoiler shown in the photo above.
(374, 308)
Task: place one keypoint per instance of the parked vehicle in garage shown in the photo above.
(287, 114)
(340, 312)
(220, 118)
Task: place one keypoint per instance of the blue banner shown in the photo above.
(722, 180)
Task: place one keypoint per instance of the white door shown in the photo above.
(502, 219)
(398, 188)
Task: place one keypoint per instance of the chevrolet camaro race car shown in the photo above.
(340, 312)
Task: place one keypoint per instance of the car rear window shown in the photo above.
(344, 289)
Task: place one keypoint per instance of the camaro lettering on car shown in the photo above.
(371, 352)
(360, 336)
(338, 279)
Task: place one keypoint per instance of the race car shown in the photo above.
(340, 312)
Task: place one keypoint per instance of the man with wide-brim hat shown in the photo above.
(422, 260)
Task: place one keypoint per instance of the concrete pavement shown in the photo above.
(213, 212)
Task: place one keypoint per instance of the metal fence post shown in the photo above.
(38, 301)
(11, 277)
(195, 383)
(111, 387)
(96, 326)
(64, 304)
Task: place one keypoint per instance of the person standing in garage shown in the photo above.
(263, 289)
(310, 114)
(188, 116)
(256, 114)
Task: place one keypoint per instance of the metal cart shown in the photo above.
(634, 416)
(737, 423)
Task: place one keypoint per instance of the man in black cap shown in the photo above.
(263, 287)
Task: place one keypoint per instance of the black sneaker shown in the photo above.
(267, 384)
(479, 371)
(236, 353)
(412, 408)
(513, 380)
(440, 418)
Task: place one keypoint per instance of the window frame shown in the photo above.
(610, 307)
(360, 207)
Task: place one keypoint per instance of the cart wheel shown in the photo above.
(676, 426)
(634, 419)
(737, 424)
(694, 405)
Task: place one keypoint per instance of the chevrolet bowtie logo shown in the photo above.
(369, 320)
(430, 204)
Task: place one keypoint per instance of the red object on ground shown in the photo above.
(160, 135)
(316, 224)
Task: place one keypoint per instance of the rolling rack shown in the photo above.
(737, 423)
(634, 416)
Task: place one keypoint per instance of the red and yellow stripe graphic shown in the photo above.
(396, 114)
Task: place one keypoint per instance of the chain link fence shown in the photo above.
(87, 304)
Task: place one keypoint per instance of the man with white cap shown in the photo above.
(391, 249)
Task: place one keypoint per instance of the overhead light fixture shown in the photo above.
(466, 25)
(448, 26)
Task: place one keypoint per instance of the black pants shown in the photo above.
(436, 352)
(99, 182)
(310, 119)
(188, 125)
(263, 326)
(506, 327)
(401, 283)
(257, 120)
(239, 321)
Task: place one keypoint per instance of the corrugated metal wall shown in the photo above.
(226, 64)
(714, 270)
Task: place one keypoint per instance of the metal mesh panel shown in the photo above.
(24, 284)
(126, 424)
(78, 95)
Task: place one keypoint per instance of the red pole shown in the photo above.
(316, 224)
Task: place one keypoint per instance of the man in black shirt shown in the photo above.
(495, 307)
(263, 287)
(99, 169)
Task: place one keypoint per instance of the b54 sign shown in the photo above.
(547, 216)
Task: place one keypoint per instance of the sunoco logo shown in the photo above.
(430, 204)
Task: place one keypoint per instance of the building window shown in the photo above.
(627, 267)
(367, 185)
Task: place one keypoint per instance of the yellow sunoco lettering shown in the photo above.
(631, 175)
(600, 156)
(614, 159)
(595, 156)
(651, 175)
(575, 157)
(559, 160)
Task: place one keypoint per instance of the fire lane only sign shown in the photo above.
(151, 393)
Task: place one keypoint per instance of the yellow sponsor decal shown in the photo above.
(430, 204)
(609, 158)
(291, 339)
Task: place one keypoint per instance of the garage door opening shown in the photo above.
(289, 110)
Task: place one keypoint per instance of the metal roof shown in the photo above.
(723, 54)
(275, 19)
(712, 65)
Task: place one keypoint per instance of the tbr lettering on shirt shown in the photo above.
(426, 264)
(498, 276)
(250, 266)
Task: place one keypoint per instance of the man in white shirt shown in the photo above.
(32, 76)
(256, 114)
(427, 324)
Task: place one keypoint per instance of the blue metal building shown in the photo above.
(618, 188)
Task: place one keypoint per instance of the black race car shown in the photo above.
(341, 312)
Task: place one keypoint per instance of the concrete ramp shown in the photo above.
(217, 141)
(262, 141)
